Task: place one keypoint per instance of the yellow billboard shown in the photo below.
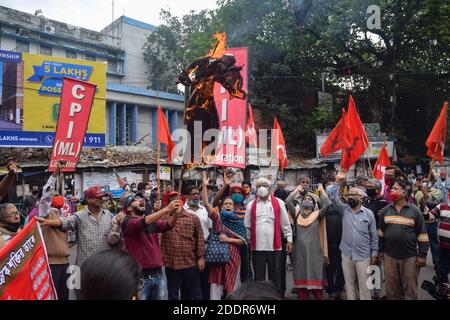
(30, 118)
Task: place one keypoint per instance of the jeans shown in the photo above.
(151, 289)
(190, 277)
(432, 230)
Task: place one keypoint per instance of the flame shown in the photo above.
(219, 49)
(237, 93)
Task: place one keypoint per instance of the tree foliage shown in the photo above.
(408, 57)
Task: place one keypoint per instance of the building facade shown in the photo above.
(131, 107)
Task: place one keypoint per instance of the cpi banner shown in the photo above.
(30, 93)
(76, 105)
(232, 119)
(24, 270)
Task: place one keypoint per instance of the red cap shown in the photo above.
(93, 192)
(57, 202)
(444, 174)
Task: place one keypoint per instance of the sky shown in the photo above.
(97, 14)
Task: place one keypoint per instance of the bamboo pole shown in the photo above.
(432, 161)
(158, 164)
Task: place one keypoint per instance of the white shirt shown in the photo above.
(202, 214)
(265, 220)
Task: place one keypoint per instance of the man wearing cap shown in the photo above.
(56, 241)
(140, 233)
(91, 224)
(444, 186)
(359, 244)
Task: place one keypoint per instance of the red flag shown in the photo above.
(278, 145)
(24, 270)
(436, 140)
(355, 140)
(381, 164)
(164, 134)
(334, 141)
(250, 132)
(76, 104)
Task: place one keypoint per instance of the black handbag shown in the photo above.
(217, 252)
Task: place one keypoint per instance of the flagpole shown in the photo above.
(433, 160)
(368, 158)
(158, 160)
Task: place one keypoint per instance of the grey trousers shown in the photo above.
(356, 275)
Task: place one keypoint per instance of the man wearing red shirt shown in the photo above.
(140, 233)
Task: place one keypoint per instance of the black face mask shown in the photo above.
(13, 227)
(34, 193)
(371, 193)
(304, 192)
(353, 203)
(139, 212)
(443, 179)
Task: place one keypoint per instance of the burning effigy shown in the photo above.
(199, 79)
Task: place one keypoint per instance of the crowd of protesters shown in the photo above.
(334, 238)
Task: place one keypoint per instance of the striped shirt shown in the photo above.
(92, 234)
(402, 234)
(442, 212)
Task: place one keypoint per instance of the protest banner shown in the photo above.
(232, 119)
(76, 104)
(24, 270)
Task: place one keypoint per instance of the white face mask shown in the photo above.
(263, 192)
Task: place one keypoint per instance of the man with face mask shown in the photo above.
(443, 185)
(359, 244)
(267, 223)
(391, 174)
(403, 243)
(302, 190)
(140, 233)
(183, 249)
(9, 223)
(30, 201)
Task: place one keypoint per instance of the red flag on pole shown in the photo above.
(356, 141)
(436, 140)
(250, 132)
(164, 134)
(334, 141)
(278, 145)
(381, 164)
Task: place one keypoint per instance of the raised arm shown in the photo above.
(324, 201)
(335, 191)
(48, 191)
(6, 182)
(226, 183)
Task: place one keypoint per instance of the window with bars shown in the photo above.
(22, 46)
(71, 54)
(45, 50)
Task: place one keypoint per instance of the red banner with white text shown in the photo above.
(76, 104)
(232, 119)
(24, 270)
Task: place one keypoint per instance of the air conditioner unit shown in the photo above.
(49, 28)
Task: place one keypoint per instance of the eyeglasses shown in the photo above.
(194, 194)
(15, 213)
(236, 192)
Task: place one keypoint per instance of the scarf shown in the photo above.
(304, 222)
(277, 225)
(233, 222)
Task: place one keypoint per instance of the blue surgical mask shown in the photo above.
(328, 189)
(307, 205)
(237, 198)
